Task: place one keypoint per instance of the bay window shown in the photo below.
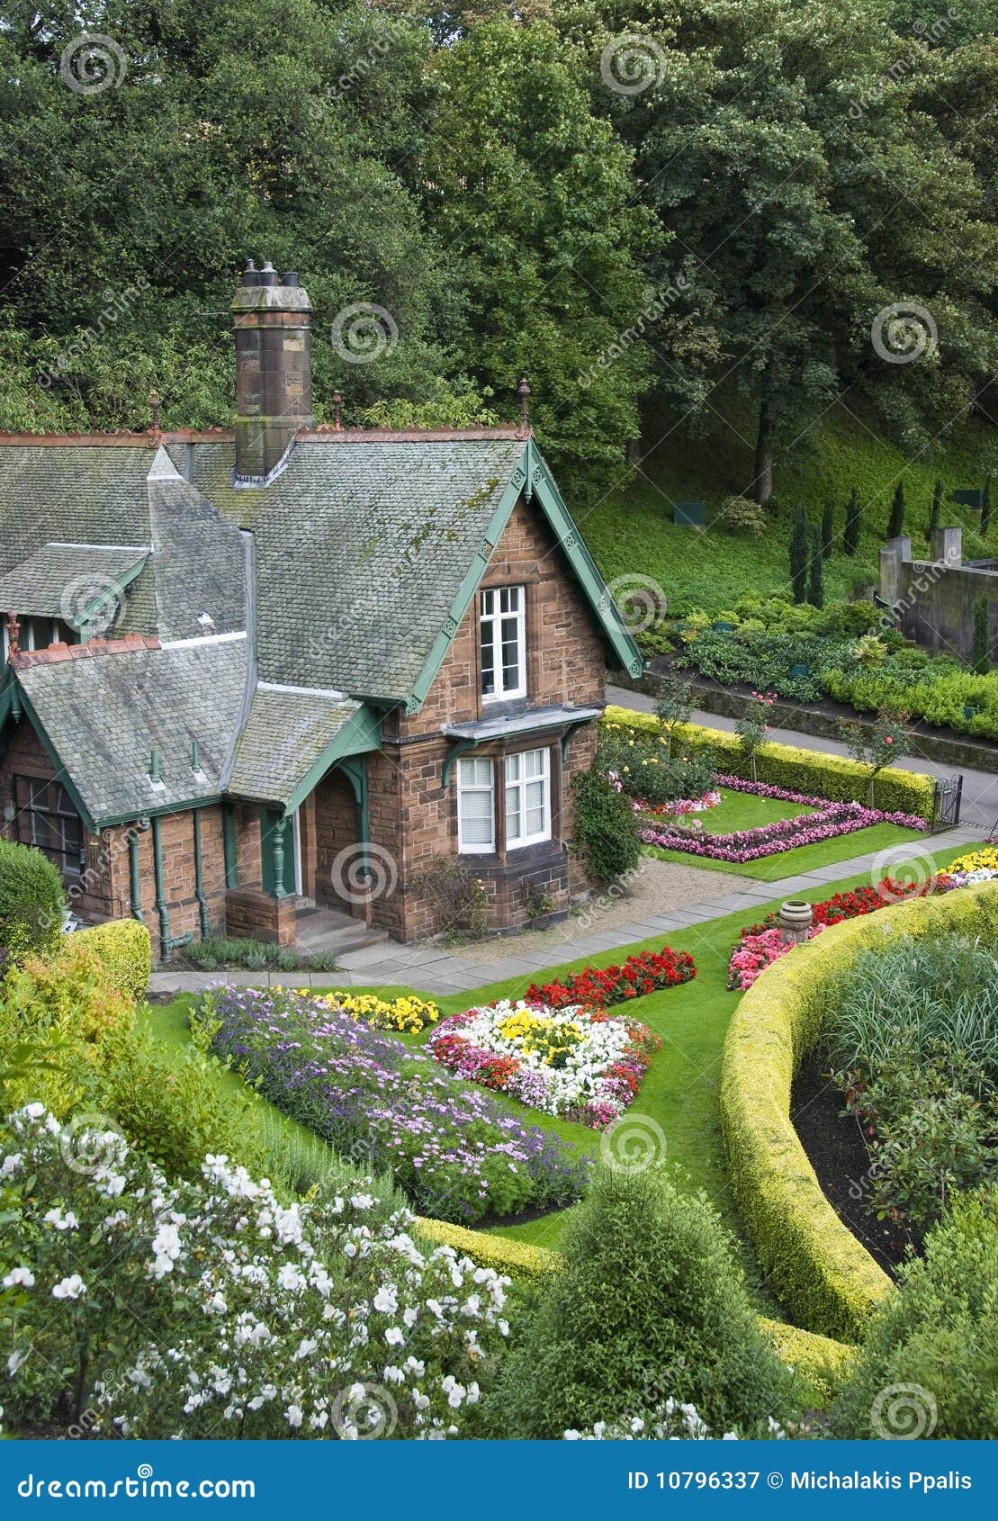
(525, 780)
(528, 798)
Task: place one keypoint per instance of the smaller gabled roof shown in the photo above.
(79, 583)
(103, 711)
(287, 732)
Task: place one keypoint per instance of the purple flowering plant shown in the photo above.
(458, 1152)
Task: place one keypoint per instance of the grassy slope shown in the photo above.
(632, 530)
(680, 1091)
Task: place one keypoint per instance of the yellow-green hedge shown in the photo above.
(820, 1272)
(836, 777)
(823, 1362)
(125, 953)
(503, 1253)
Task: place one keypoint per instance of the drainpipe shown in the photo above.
(133, 874)
(199, 876)
(161, 909)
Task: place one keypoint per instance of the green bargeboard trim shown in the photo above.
(360, 735)
(110, 594)
(533, 478)
(62, 774)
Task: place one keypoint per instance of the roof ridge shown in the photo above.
(325, 433)
(55, 653)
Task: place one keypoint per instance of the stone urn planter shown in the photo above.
(795, 919)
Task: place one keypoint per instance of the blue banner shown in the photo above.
(502, 1481)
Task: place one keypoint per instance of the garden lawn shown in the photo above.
(789, 863)
(743, 810)
(680, 1089)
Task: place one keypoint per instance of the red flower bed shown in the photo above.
(601, 987)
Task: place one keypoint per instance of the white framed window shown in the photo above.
(528, 798)
(503, 643)
(476, 810)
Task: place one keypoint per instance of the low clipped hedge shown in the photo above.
(824, 1363)
(32, 902)
(125, 953)
(819, 1271)
(836, 777)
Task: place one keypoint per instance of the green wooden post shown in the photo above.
(277, 850)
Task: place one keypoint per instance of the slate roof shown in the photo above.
(285, 734)
(65, 580)
(361, 548)
(106, 714)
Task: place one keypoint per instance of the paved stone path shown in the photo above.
(433, 969)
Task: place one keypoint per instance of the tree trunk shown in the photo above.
(762, 488)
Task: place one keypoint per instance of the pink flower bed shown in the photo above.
(828, 821)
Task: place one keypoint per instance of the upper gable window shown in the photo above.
(503, 640)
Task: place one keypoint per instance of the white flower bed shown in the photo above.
(216, 1309)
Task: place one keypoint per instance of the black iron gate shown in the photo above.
(946, 803)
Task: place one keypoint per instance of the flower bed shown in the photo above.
(409, 1015)
(602, 987)
(827, 822)
(582, 1064)
(762, 944)
(458, 1153)
(680, 807)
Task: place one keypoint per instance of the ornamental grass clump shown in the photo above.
(457, 1152)
(649, 1306)
(211, 1307)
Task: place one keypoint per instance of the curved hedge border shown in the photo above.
(836, 777)
(820, 1272)
(822, 1361)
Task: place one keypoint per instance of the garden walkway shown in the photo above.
(434, 969)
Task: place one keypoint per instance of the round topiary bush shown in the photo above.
(929, 1361)
(648, 1305)
(605, 833)
(32, 902)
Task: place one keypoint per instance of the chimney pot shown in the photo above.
(291, 278)
(268, 274)
(251, 275)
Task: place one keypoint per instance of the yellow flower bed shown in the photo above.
(538, 1033)
(985, 859)
(407, 1015)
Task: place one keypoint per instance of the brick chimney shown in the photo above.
(271, 315)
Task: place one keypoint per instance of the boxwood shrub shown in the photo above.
(836, 777)
(32, 902)
(814, 1264)
(125, 953)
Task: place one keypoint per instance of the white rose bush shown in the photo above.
(212, 1308)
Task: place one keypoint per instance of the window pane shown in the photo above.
(513, 767)
(513, 825)
(488, 603)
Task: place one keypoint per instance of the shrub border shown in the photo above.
(821, 1360)
(836, 777)
(828, 1282)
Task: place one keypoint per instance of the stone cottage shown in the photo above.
(250, 676)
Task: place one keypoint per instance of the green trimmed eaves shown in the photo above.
(110, 595)
(532, 478)
(360, 735)
(61, 773)
(584, 566)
